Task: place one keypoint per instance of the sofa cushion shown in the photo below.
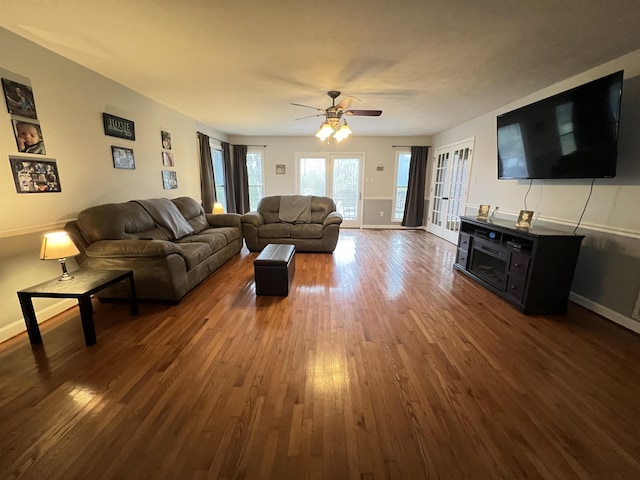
(269, 207)
(310, 230)
(230, 233)
(215, 240)
(167, 216)
(194, 253)
(118, 221)
(275, 230)
(193, 212)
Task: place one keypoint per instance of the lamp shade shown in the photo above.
(218, 208)
(57, 245)
(325, 131)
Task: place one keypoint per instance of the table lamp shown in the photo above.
(217, 208)
(58, 246)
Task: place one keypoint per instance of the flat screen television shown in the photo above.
(573, 134)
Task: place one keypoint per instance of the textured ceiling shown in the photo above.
(237, 65)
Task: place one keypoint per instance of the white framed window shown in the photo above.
(403, 160)
(218, 172)
(255, 177)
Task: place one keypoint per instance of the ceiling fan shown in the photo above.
(334, 124)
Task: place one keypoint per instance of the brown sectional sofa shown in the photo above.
(317, 232)
(171, 245)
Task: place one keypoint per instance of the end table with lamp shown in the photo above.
(81, 284)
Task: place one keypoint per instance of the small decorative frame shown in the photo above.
(167, 159)
(524, 219)
(483, 212)
(123, 158)
(19, 99)
(280, 169)
(169, 180)
(118, 127)
(34, 175)
(166, 140)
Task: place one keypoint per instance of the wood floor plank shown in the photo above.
(381, 363)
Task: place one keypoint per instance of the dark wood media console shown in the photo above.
(532, 269)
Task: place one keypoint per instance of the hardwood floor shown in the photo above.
(381, 363)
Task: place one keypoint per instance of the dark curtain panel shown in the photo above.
(414, 205)
(241, 186)
(207, 182)
(228, 178)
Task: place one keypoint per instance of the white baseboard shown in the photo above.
(18, 327)
(607, 313)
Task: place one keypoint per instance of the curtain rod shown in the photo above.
(409, 146)
(221, 141)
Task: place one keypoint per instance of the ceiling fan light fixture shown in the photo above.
(325, 131)
(343, 132)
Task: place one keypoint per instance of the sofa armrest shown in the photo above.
(131, 249)
(254, 218)
(332, 218)
(224, 220)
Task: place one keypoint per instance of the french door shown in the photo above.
(449, 185)
(335, 176)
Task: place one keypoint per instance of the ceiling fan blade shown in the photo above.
(307, 106)
(309, 116)
(364, 113)
(346, 102)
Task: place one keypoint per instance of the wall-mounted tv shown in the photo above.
(573, 134)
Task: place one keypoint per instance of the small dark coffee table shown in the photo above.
(84, 284)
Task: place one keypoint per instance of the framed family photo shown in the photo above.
(123, 158)
(169, 180)
(483, 212)
(33, 175)
(28, 136)
(167, 159)
(524, 219)
(19, 99)
(166, 140)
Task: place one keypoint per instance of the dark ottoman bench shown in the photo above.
(274, 269)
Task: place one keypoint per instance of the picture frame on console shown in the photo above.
(524, 219)
(483, 212)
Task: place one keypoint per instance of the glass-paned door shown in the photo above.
(335, 176)
(450, 182)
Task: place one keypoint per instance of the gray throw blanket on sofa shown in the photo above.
(295, 208)
(166, 216)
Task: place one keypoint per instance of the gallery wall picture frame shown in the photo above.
(35, 175)
(166, 139)
(28, 134)
(118, 127)
(19, 98)
(167, 159)
(280, 169)
(123, 158)
(169, 180)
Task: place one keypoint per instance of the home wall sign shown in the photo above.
(118, 127)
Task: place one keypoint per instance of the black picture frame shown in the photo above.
(169, 180)
(19, 98)
(35, 175)
(123, 158)
(118, 127)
